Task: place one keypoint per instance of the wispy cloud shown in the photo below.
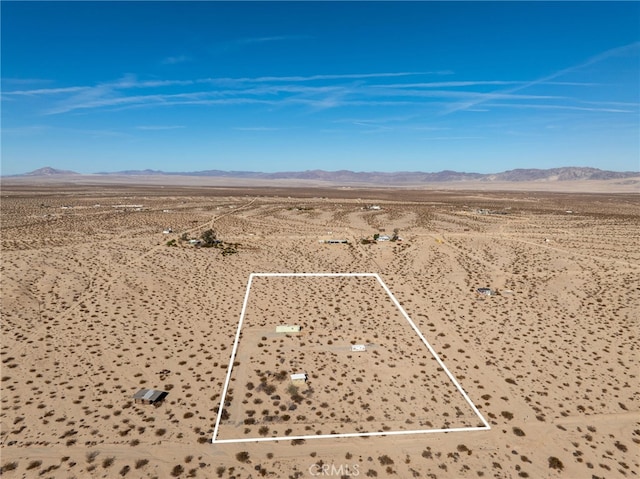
(46, 91)
(256, 128)
(317, 92)
(159, 127)
(244, 42)
(623, 50)
(445, 138)
(540, 106)
(309, 78)
(175, 60)
(275, 38)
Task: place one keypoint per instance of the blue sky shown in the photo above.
(290, 86)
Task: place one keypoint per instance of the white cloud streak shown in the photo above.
(159, 127)
(623, 50)
(316, 92)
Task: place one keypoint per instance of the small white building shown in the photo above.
(288, 328)
(358, 348)
(299, 378)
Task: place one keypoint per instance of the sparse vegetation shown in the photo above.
(555, 463)
(242, 456)
(131, 308)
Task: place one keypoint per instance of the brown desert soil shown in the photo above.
(97, 304)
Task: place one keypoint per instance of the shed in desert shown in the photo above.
(288, 328)
(299, 378)
(149, 396)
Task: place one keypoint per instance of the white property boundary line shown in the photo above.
(486, 426)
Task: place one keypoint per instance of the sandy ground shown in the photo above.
(96, 305)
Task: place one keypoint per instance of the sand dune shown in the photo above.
(96, 305)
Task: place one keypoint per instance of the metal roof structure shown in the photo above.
(149, 395)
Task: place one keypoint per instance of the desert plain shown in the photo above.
(103, 294)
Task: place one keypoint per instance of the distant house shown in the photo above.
(149, 396)
(336, 241)
(485, 291)
(358, 347)
(167, 231)
(288, 328)
(383, 238)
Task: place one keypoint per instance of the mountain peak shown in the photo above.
(48, 171)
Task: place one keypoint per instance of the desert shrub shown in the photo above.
(125, 469)
(91, 456)
(518, 432)
(243, 456)
(141, 463)
(385, 460)
(371, 473)
(9, 466)
(34, 465)
(555, 463)
(263, 431)
(160, 432)
(621, 446)
(177, 470)
(208, 238)
(108, 462)
(507, 415)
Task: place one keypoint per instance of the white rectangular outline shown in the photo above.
(234, 350)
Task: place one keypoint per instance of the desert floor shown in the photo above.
(98, 302)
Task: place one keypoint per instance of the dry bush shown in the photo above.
(243, 456)
(9, 466)
(555, 463)
(177, 470)
(34, 465)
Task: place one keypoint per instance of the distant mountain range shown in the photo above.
(48, 171)
(381, 178)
